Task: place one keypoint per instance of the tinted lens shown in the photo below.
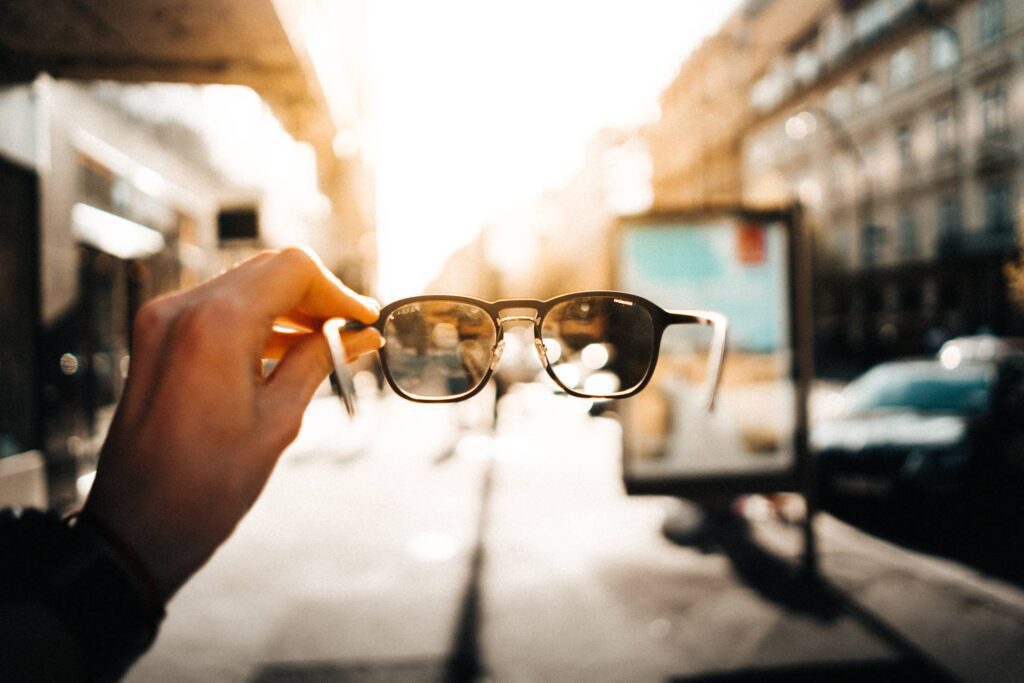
(599, 345)
(438, 349)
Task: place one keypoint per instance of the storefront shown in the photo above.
(126, 251)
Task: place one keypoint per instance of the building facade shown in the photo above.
(899, 125)
(696, 145)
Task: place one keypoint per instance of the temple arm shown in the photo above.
(716, 353)
(342, 378)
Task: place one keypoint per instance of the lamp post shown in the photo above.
(798, 127)
(803, 124)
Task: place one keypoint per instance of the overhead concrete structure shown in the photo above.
(242, 42)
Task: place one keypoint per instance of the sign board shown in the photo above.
(745, 265)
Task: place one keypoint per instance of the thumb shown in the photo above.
(299, 372)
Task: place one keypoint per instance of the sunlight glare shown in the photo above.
(481, 107)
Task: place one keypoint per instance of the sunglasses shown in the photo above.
(596, 344)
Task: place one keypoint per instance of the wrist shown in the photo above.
(156, 559)
(124, 555)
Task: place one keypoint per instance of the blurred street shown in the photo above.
(357, 562)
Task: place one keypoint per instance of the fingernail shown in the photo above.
(381, 341)
(371, 303)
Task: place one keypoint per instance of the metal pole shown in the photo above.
(803, 372)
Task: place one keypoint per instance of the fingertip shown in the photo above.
(370, 302)
(372, 308)
(362, 342)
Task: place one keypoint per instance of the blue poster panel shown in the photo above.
(741, 268)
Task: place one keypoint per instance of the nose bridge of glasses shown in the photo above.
(519, 314)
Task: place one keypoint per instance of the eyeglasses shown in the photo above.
(598, 344)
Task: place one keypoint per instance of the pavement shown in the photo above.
(408, 546)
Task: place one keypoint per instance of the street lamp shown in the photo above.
(805, 123)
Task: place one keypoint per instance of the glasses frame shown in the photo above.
(660, 320)
(341, 378)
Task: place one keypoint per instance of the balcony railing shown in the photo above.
(993, 239)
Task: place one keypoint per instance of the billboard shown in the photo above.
(740, 264)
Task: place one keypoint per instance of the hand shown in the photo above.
(199, 428)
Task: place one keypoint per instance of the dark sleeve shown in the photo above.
(70, 607)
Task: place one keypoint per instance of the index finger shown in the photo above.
(295, 279)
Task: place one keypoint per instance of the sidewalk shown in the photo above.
(354, 553)
(354, 566)
(971, 625)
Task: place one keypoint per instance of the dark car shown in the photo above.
(921, 429)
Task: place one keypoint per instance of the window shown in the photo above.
(842, 245)
(870, 19)
(843, 178)
(892, 297)
(998, 208)
(871, 160)
(759, 153)
(763, 95)
(904, 143)
(806, 67)
(945, 132)
(772, 87)
(838, 102)
(868, 94)
(949, 236)
(993, 111)
(907, 237)
(943, 51)
(809, 191)
(871, 241)
(902, 68)
(912, 298)
(897, 7)
(95, 184)
(240, 223)
(833, 36)
(929, 295)
(990, 20)
(949, 216)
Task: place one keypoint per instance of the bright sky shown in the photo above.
(482, 105)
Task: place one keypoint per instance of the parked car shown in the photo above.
(925, 428)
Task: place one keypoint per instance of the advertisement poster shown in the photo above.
(740, 268)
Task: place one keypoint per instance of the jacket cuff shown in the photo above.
(86, 583)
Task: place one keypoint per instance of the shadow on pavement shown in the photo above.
(789, 586)
(834, 672)
(772, 577)
(349, 672)
(465, 662)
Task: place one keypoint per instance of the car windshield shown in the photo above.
(925, 386)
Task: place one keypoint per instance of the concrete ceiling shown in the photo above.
(183, 41)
